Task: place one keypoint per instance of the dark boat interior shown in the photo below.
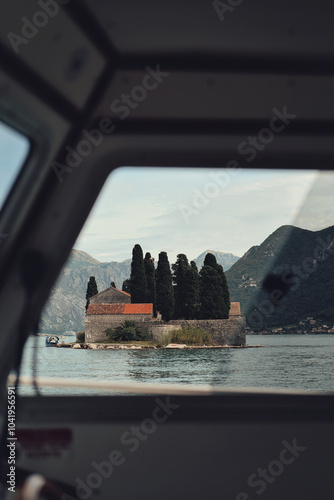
(204, 75)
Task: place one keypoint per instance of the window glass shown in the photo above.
(273, 234)
(14, 149)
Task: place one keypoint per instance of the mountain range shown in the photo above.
(286, 279)
(282, 281)
(65, 309)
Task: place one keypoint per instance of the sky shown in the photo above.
(14, 148)
(188, 210)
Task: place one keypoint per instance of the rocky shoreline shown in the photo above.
(77, 345)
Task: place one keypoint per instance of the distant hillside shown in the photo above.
(225, 259)
(290, 252)
(65, 309)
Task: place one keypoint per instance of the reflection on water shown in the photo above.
(300, 362)
(178, 366)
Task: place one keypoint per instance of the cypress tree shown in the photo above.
(191, 292)
(126, 286)
(151, 296)
(137, 278)
(218, 298)
(210, 260)
(165, 292)
(211, 294)
(179, 279)
(226, 293)
(91, 290)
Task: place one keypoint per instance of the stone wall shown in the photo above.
(160, 329)
(224, 331)
(230, 331)
(96, 324)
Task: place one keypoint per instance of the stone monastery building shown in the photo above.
(109, 309)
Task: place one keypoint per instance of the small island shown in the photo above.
(167, 306)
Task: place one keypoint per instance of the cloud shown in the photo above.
(143, 206)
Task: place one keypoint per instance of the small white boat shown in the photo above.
(51, 340)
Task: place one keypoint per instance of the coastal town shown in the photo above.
(308, 326)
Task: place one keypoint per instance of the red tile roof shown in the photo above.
(138, 309)
(120, 309)
(105, 309)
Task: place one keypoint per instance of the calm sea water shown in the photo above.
(289, 361)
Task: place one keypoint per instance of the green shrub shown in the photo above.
(164, 340)
(127, 332)
(81, 336)
(191, 335)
